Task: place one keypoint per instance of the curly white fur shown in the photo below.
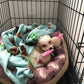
(44, 43)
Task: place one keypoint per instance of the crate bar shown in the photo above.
(73, 26)
(36, 10)
(44, 11)
(31, 13)
(72, 21)
(71, 8)
(35, 0)
(69, 21)
(78, 53)
(80, 43)
(9, 13)
(30, 18)
(18, 10)
(2, 14)
(81, 62)
(14, 11)
(1, 17)
(53, 10)
(40, 11)
(81, 40)
(70, 37)
(22, 10)
(3, 11)
(66, 23)
(4, 23)
(75, 15)
(58, 14)
(3, 1)
(67, 16)
(49, 11)
(27, 10)
(79, 30)
(80, 65)
(82, 75)
(70, 15)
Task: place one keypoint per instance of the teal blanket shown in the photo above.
(16, 65)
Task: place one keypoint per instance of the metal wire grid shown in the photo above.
(15, 12)
(70, 21)
(29, 11)
(5, 18)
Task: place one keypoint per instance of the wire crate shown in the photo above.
(67, 15)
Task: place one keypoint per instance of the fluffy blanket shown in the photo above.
(16, 47)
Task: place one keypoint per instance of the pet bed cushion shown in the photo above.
(49, 74)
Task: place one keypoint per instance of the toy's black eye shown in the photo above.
(44, 45)
(49, 42)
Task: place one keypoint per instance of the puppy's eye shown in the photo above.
(49, 42)
(44, 45)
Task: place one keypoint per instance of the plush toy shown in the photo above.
(57, 40)
(45, 57)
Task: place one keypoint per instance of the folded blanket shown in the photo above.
(20, 65)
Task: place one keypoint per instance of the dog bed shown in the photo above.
(49, 74)
(46, 75)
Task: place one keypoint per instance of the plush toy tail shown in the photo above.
(47, 53)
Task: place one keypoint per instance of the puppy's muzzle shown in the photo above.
(50, 48)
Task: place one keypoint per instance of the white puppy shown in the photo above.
(44, 43)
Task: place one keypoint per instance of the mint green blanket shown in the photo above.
(26, 34)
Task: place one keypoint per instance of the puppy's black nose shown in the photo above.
(50, 48)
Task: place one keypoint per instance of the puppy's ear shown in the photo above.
(38, 46)
(51, 34)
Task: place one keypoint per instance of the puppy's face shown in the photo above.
(45, 43)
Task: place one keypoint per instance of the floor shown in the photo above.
(63, 80)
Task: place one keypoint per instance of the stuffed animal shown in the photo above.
(57, 40)
(45, 57)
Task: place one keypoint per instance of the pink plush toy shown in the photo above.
(45, 57)
(47, 53)
(57, 40)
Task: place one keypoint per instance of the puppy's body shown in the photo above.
(34, 58)
(44, 43)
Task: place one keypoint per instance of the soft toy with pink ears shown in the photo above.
(57, 39)
(60, 36)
